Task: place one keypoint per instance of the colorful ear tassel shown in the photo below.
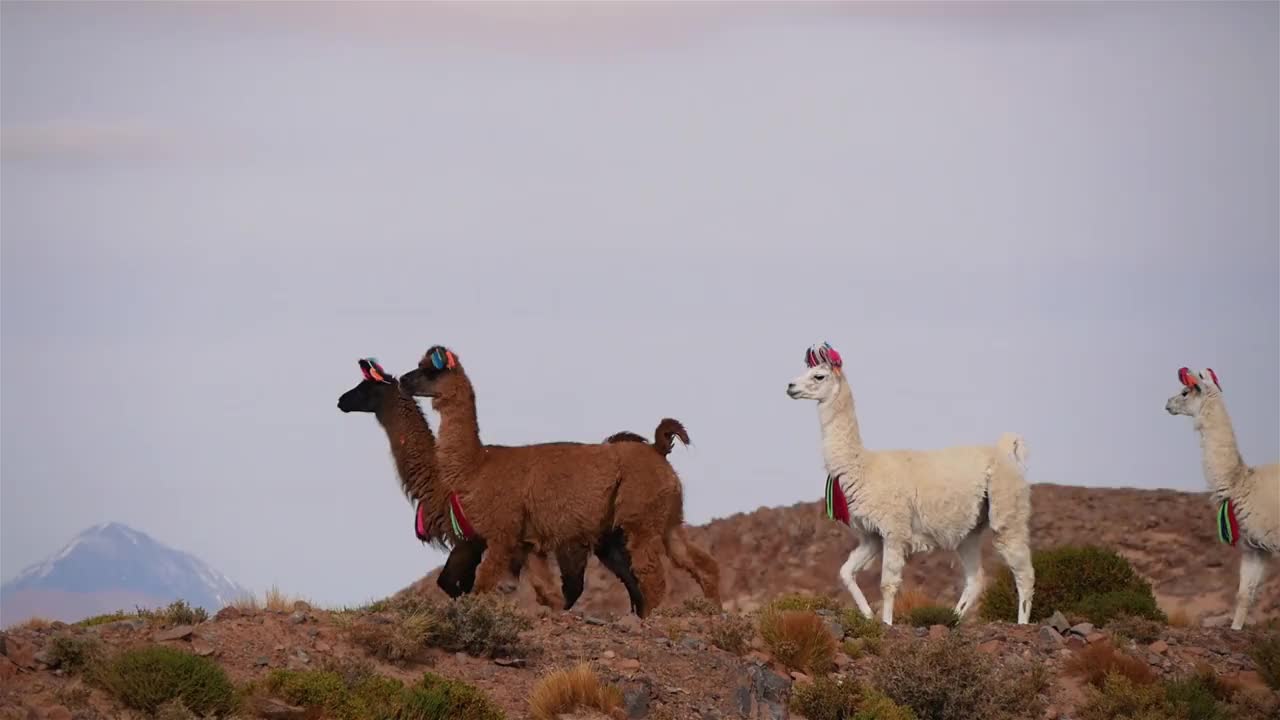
(823, 354)
(371, 370)
(442, 358)
(1214, 375)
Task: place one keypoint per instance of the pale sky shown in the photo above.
(1004, 217)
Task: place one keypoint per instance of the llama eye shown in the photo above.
(819, 378)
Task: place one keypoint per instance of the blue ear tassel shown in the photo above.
(437, 359)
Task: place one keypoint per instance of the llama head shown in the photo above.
(440, 377)
(1196, 388)
(824, 377)
(372, 391)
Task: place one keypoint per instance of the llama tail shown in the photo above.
(1013, 446)
(664, 436)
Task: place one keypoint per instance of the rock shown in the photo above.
(628, 664)
(758, 657)
(692, 643)
(324, 647)
(44, 657)
(1084, 629)
(510, 662)
(20, 652)
(593, 620)
(1216, 621)
(201, 647)
(938, 632)
(178, 632)
(1049, 637)
(229, 612)
(262, 661)
(800, 677)
(990, 647)
(842, 661)
(1159, 647)
(1094, 637)
(297, 618)
(635, 699)
(608, 655)
(628, 623)
(7, 669)
(273, 709)
(301, 606)
(1059, 622)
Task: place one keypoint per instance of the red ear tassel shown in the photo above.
(1214, 375)
(1186, 378)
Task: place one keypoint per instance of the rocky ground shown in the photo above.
(668, 665)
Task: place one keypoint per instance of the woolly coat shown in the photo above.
(1254, 491)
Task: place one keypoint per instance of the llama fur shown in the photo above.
(555, 494)
(413, 450)
(1254, 491)
(908, 501)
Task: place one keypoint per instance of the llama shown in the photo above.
(413, 449)
(559, 493)
(900, 502)
(1247, 499)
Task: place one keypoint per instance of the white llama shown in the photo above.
(1247, 499)
(900, 502)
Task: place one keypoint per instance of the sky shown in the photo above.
(1006, 217)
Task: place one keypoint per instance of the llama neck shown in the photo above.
(414, 449)
(841, 440)
(459, 447)
(1223, 466)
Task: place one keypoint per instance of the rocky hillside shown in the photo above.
(1168, 535)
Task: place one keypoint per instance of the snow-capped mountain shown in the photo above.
(112, 567)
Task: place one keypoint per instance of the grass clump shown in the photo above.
(732, 633)
(568, 691)
(830, 699)
(481, 625)
(1094, 663)
(146, 678)
(106, 618)
(363, 697)
(857, 625)
(1137, 629)
(799, 639)
(801, 601)
(947, 679)
(1095, 582)
(930, 615)
(1264, 649)
(1120, 697)
(697, 605)
(177, 612)
(437, 698)
(74, 653)
(1199, 696)
(396, 642)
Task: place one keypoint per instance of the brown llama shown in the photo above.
(558, 493)
(413, 449)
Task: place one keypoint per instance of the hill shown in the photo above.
(108, 567)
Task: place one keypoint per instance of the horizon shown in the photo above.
(613, 213)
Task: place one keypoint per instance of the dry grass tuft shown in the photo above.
(566, 691)
(799, 639)
(1093, 663)
(34, 623)
(275, 600)
(1180, 618)
(908, 601)
(732, 633)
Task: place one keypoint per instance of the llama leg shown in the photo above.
(540, 578)
(1253, 567)
(892, 560)
(693, 560)
(868, 547)
(1017, 555)
(970, 552)
(611, 550)
(573, 566)
(496, 562)
(646, 560)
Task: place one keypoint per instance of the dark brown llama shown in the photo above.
(413, 449)
(557, 493)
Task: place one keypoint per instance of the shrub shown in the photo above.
(436, 698)
(1102, 608)
(1120, 697)
(146, 678)
(1135, 628)
(107, 618)
(567, 691)
(1179, 618)
(177, 612)
(1095, 662)
(857, 625)
(368, 697)
(73, 653)
(731, 633)
(907, 601)
(1264, 648)
(828, 699)
(799, 639)
(1066, 576)
(481, 625)
(947, 679)
(395, 642)
(801, 601)
(1196, 697)
(697, 605)
(929, 615)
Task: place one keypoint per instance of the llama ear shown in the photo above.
(373, 371)
(833, 357)
(442, 358)
(365, 368)
(1208, 375)
(1187, 378)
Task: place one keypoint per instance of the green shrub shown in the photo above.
(148, 677)
(800, 601)
(1136, 628)
(480, 625)
(1264, 648)
(1104, 608)
(1120, 697)
(177, 612)
(948, 679)
(73, 653)
(929, 615)
(369, 697)
(1197, 697)
(828, 699)
(1066, 576)
(857, 625)
(107, 618)
(436, 698)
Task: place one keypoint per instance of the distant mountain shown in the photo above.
(112, 567)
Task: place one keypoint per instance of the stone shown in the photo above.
(1216, 621)
(1159, 647)
(229, 612)
(842, 661)
(800, 677)
(7, 669)
(45, 657)
(990, 647)
(20, 652)
(201, 647)
(692, 643)
(297, 618)
(301, 606)
(593, 620)
(510, 662)
(262, 661)
(1094, 637)
(1083, 629)
(628, 664)
(1049, 637)
(274, 709)
(322, 646)
(608, 655)
(758, 657)
(178, 632)
(1059, 622)
(628, 623)
(938, 632)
